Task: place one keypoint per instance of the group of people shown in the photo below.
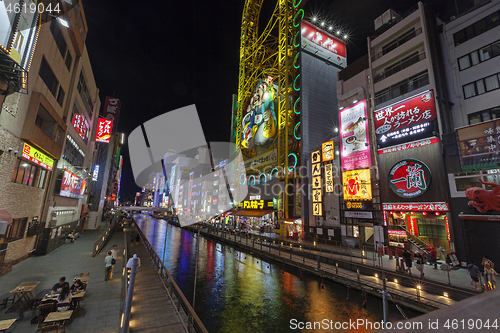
(420, 258)
(489, 273)
(64, 290)
(109, 261)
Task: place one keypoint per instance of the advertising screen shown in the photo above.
(479, 146)
(72, 186)
(258, 127)
(408, 120)
(103, 133)
(354, 143)
(323, 44)
(357, 185)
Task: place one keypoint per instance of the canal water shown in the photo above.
(239, 292)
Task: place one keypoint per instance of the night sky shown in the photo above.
(157, 56)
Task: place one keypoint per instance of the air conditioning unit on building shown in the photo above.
(52, 223)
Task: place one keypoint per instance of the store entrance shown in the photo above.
(422, 228)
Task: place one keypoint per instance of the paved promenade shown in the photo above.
(99, 310)
(459, 277)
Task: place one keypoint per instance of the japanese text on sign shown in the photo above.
(409, 112)
(329, 178)
(103, 133)
(431, 206)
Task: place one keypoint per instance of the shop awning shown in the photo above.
(250, 212)
(493, 218)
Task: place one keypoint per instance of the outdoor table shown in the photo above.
(77, 296)
(59, 316)
(23, 291)
(6, 324)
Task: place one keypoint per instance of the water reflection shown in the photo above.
(238, 292)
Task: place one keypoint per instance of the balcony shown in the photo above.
(402, 88)
(397, 43)
(399, 66)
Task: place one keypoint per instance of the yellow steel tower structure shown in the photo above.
(271, 53)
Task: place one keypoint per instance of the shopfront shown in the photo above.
(423, 223)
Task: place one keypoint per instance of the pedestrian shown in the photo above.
(137, 239)
(434, 257)
(109, 266)
(408, 256)
(486, 260)
(132, 238)
(490, 275)
(114, 251)
(474, 273)
(419, 264)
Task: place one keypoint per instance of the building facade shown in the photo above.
(471, 49)
(411, 118)
(36, 127)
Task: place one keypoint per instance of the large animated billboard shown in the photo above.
(355, 144)
(259, 124)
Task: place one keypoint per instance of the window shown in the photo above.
(58, 37)
(491, 82)
(402, 87)
(73, 154)
(476, 28)
(26, 173)
(485, 53)
(17, 229)
(85, 94)
(480, 87)
(485, 115)
(469, 90)
(60, 96)
(48, 77)
(45, 121)
(464, 62)
(69, 60)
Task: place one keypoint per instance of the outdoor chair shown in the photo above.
(51, 328)
(62, 305)
(38, 298)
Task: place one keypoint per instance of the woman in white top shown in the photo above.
(64, 297)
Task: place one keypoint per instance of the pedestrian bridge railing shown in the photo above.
(103, 239)
(180, 302)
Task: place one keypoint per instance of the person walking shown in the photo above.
(408, 256)
(109, 266)
(434, 257)
(474, 273)
(137, 239)
(419, 264)
(490, 275)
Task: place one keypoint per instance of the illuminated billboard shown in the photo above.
(19, 27)
(37, 157)
(322, 44)
(327, 150)
(103, 133)
(354, 142)
(81, 125)
(409, 120)
(258, 127)
(479, 146)
(357, 185)
(72, 186)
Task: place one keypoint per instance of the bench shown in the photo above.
(36, 300)
(5, 298)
